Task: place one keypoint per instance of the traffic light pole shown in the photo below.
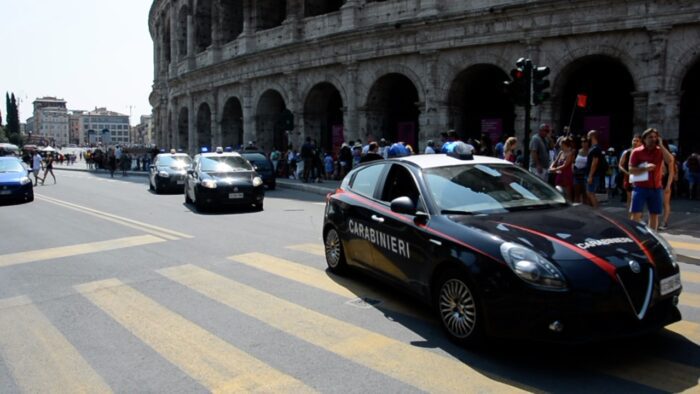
(528, 107)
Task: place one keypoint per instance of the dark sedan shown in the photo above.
(263, 166)
(15, 185)
(223, 179)
(168, 172)
(498, 252)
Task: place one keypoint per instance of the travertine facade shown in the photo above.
(232, 71)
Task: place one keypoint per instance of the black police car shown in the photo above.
(15, 184)
(168, 172)
(223, 179)
(497, 251)
(263, 166)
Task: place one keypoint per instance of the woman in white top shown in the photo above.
(580, 171)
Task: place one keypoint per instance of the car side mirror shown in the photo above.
(403, 205)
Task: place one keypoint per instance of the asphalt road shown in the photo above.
(105, 286)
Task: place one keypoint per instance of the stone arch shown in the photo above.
(165, 39)
(320, 7)
(271, 120)
(232, 123)
(183, 124)
(478, 104)
(395, 68)
(203, 25)
(608, 86)
(323, 115)
(270, 13)
(392, 109)
(182, 31)
(204, 137)
(231, 19)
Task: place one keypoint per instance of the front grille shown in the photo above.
(638, 287)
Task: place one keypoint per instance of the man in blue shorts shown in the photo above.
(645, 167)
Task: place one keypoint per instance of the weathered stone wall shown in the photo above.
(430, 42)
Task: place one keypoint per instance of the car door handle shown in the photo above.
(378, 219)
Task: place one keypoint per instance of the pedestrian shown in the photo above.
(48, 168)
(580, 171)
(611, 173)
(111, 163)
(645, 168)
(539, 152)
(691, 167)
(307, 157)
(291, 162)
(372, 153)
(329, 165)
(509, 149)
(670, 175)
(430, 148)
(345, 159)
(563, 167)
(623, 166)
(594, 168)
(275, 158)
(500, 147)
(36, 167)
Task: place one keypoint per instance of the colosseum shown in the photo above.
(276, 71)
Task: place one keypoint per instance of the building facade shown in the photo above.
(142, 133)
(101, 126)
(276, 71)
(50, 121)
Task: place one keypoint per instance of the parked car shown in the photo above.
(263, 166)
(15, 184)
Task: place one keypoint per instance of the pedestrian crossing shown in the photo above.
(41, 359)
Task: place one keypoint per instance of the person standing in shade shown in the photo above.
(623, 166)
(645, 167)
(593, 166)
(539, 152)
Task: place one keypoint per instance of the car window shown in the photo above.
(224, 164)
(486, 188)
(11, 166)
(174, 161)
(366, 179)
(400, 183)
(258, 160)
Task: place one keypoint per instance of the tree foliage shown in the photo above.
(12, 130)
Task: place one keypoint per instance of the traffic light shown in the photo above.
(518, 87)
(540, 85)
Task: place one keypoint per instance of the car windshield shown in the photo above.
(175, 161)
(259, 160)
(225, 164)
(488, 188)
(11, 166)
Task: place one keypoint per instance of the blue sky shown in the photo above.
(91, 53)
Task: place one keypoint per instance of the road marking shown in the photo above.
(689, 330)
(76, 250)
(315, 249)
(213, 362)
(149, 228)
(664, 375)
(689, 276)
(325, 281)
(415, 366)
(39, 357)
(685, 245)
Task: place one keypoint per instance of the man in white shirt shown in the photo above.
(36, 167)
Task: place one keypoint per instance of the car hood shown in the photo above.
(11, 177)
(569, 234)
(229, 176)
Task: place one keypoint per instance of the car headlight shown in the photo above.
(257, 181)
(24, 180)
(532, 268)
(209, 183)
(164, 174)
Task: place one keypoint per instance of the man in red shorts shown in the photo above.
(645, 167)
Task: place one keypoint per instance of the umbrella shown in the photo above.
(48, 149)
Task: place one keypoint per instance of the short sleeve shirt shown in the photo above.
(652, 156)
(592, 154)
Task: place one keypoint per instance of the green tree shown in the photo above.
(12, 113)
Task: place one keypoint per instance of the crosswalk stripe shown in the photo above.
(315, 249)
(692, 277)
(417, 367)
(321, 280)
(689, 330)
(690, 299)
(685, 245)
(216, 364)
(39, 357)
(76, 250)
(145, 227)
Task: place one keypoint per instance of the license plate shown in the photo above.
(235, 195)
(181, 182)
(5, 192)
(670, 284)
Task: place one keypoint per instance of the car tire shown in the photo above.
(259, 206)
(335, 255)
(198, 203)
(459, 308)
